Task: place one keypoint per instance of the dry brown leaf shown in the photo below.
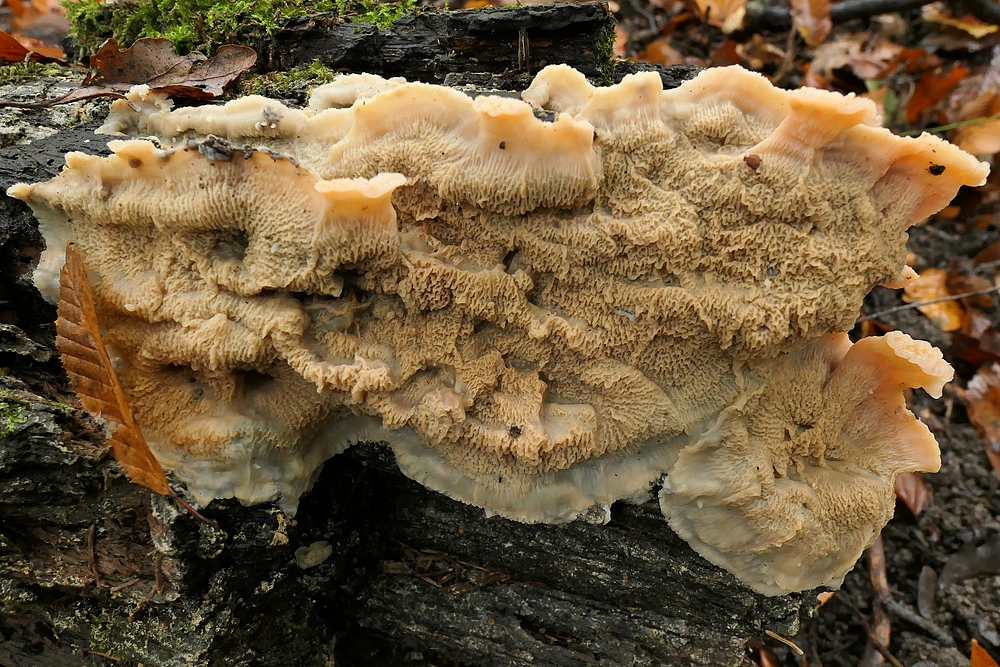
(89, 369)
(982, 401)
(726, 54)
(933, 87)
(660, 52)
(757, 53)
(938, 13)
(152, 61)
(911, 489)
(811, 19)
(725, 14)
(980, 658)
(978, 342)
(933, 284)
(980, 137)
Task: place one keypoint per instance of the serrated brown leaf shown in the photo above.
(152, 61)
(89, 368)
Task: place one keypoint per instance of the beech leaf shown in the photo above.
(89, 369)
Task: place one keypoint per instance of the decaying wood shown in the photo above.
(97, 571)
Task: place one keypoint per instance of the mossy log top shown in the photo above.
(420, 45)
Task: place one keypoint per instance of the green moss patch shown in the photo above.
(203, 25)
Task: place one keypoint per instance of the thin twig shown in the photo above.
(952, 126)
(193, 512)
(917, 304)
(880, 627)
(904, 612)
(92, 553)
(788, 62)
(776, 17)
(787, 642)
(886, 654)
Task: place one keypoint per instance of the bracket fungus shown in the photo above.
(542, 305)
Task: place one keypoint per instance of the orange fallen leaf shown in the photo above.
(30, 13)
(726, 54)
(982, 401)
(987, 255)
(811, 19)
(660, 52)
(767, 658)
(931, 88)
(89, 369)
(931, 285)
(980, 658)
(12, 50)
(152, 61)
(911, 489)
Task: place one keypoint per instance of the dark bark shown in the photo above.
(92, 566)
(431, 45)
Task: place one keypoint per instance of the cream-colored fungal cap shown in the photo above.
(791, 484)
(541, 317)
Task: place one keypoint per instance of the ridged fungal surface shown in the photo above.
(542, 305)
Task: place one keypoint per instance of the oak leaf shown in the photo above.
(89, 369)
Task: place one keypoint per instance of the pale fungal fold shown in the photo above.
(541, 313)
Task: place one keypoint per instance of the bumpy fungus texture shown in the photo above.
(542, 308)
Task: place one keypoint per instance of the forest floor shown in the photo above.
(931, 585)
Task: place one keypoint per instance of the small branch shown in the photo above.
(917, 304)
(192, 511)
(772, 17)
(930, 627)
(951, 126)
(92, 553)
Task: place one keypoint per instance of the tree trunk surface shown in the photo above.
(374, 569)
